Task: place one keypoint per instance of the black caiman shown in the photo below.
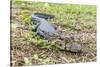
(48, 30)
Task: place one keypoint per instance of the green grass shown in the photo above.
(68, 16)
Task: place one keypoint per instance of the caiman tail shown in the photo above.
(41, 17)
(44, 16)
